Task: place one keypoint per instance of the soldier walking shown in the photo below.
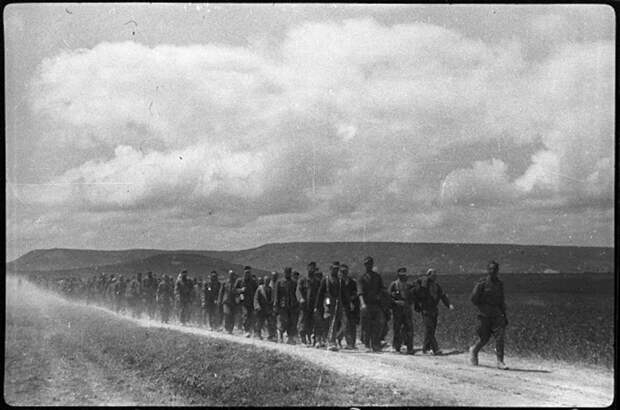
(286, 307)
(165, 297)
(428, 295)
(372, 316)
(402, 298)
(350, 308)
(183, 294)
(246, 287)
(263, 307)
(149, 290)
(209, 295)
(488, 297)
(229, 300)
(329, 306)
(307, 289)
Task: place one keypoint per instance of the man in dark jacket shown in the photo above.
(350, 305)
(209, 306)
(428, 295)
(165, 297)
(286, 307)
(402, 298)
(246, 288)
(329, 306)
(488, 296)
(306, 292)
(369, 288)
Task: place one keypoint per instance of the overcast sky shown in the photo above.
(230, 126)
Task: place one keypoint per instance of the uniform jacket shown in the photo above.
(164, 293)
(369, 286)
(402, 293)
(330, 294)
(488, 296)
(149, 288)
(228, 294)
(246, 291)
(429, 293)
(183, 290)
(210, 292)
(263, 299)
(284, 297)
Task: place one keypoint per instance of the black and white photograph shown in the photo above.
(326, 204)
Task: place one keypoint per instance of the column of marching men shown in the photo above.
(315, 310)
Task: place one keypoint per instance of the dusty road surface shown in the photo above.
(446, 379)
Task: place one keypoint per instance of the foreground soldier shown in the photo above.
(429, 294)
(402, 298)
(229, 300)
(369, 289)
(209, 295)
(246, 287)
(165, 297)
(286, 307)
(263, 307)
(134, 296)
(488, 296)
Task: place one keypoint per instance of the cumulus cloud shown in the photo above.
(342, 122)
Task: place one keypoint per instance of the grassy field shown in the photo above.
(566, 317)
(173, 368)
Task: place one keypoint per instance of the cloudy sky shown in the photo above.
(230, 126)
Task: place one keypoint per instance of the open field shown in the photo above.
(60, 352)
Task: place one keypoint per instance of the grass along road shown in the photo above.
(419, 380)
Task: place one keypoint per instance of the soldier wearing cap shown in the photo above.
(428, 295)
(488, 297)
(263, 307)
(402, 298)
(246, 288)
(165, 297)
(229, 300)
(307, 289)
(372, 318)
(286, 307)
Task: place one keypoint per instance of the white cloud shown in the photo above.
(350, 117)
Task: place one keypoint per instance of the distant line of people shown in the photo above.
(314, 310)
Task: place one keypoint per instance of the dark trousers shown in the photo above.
(164, 310)
(247, 318)
(337, 326)
(184, 312)
(351, 329)
(210, 315)
(430, 325)
(491, 326)
(403, 327)
(305, 324)
(230, 313)
(373, 321)
(150, 308)
(268, 320)
(287, 322)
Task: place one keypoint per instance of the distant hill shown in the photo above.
(168, 262)
(417, 257)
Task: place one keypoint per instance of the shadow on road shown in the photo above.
(452, 352)
(514, 369)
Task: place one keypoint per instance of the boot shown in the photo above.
(473, 356)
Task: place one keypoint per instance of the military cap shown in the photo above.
(493, 263)
(368, 260)
(344, 266)
(401, 270)
(312, 263)
(247, 268)
(184, 271)
(288, 269)
(336, 263)
(214, 272)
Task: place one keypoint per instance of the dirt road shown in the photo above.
(446, 379)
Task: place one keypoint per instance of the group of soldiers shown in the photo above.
(315, 310)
